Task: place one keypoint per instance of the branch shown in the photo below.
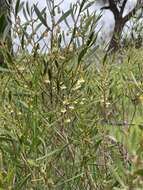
(107, 7)
(113, 8)
(138, 6)
(123, 7)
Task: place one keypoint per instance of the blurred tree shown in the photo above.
(117, 7)
(5, 26)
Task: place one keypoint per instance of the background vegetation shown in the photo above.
(70, 113)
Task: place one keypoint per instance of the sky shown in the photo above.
(66, 3)
(107, 20)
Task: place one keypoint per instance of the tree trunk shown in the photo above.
(115, 40)
(120, 21)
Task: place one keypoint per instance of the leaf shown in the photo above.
(81, 6)
(38, 26)
(59, 40)
(5, 70)
(49, 154)
(71, 179)
(27, 8)
(17, 7)
(22, 38)
(67, 24)
(23, 104)
(2, 23)
(41, 18)
(32, 163)
(10, 175)
(81, 54)
(84, 50)
(88, 5)
(90, 38)
(64, 16)
(140, 127)
(117, 176)
(25, 15)
(9, 57)
(139, 172)
(87, 24)
(97, 144)
(141, 98)
(93, 41)
(136, 82)
(22, 182)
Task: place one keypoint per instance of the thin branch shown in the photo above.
(138, 6)
(129, 15)
(123, 7)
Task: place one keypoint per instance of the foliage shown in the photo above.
(71, 116)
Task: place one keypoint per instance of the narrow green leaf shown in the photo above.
(88, 5)
(27, 8)
(17, 7)
(41, 18)
(139, 172)
(22, 182)
(64, 16)
(25, 14)
(81, 6)
(81, 54)
(97, 144)
(4, 70)
(2, 23)
(71, 179)
(49, 154)
(140, 126)
(90, 38)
